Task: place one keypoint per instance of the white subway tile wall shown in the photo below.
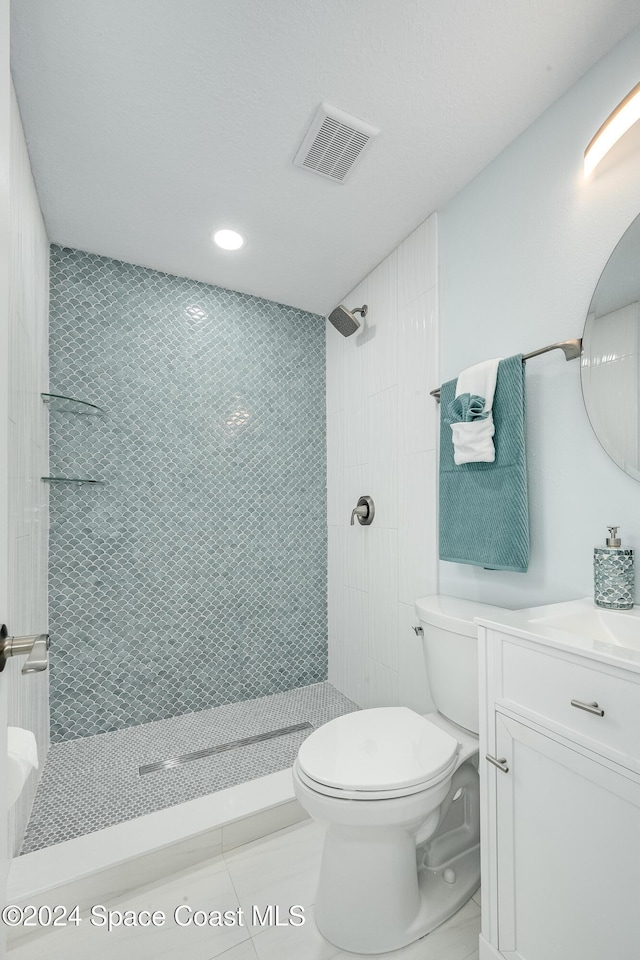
(381, 441)
(26, 612)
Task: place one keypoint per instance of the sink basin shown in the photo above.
(620, 628)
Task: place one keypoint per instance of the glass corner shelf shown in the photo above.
(62, 404)
(78, 480)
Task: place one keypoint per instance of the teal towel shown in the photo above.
(484, 514)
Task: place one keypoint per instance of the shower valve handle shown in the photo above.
(360, 513)
(364, 511)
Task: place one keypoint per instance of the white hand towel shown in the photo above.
(480, 380)
(473, 439)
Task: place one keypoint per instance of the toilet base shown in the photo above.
(441, 899)
(438, 900)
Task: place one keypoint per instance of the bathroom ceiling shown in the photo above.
(150, 124)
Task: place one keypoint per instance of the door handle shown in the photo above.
(501, 763)
(34, 647)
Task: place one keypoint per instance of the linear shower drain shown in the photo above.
(221, 748)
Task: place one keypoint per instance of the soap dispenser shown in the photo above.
(613, 574)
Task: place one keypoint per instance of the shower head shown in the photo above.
(345, 320)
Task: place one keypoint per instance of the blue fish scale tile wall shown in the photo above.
(197, 575)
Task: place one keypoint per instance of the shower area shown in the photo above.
(187, 545)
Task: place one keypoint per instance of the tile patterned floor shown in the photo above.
(92, 783)
(281, 869)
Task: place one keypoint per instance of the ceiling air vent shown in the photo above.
(334, 143)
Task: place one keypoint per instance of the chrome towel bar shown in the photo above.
(571, 349)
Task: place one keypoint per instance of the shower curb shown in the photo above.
(104, 865)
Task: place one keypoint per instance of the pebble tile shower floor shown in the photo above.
(94, 782)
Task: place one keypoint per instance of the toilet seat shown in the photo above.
(346, 794)
(375, 754)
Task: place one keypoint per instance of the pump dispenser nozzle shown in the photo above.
(613, 540)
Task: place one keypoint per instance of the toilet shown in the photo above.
(398, 795)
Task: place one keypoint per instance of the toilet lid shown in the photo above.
(385, 748)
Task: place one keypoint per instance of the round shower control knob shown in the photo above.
(364, 510)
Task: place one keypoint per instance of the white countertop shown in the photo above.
(586, 630)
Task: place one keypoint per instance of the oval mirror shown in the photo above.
(610, 364)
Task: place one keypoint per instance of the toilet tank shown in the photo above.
(450, 645)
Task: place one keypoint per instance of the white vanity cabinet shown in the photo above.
(561, 811)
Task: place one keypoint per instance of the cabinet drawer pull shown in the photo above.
(501, 764)
(589, 707)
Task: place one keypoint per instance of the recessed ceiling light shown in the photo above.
(228, 239)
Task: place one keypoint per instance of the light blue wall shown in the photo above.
(521, 251)
(197, 575)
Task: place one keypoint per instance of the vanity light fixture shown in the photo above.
(228, 239)
(615, 126)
